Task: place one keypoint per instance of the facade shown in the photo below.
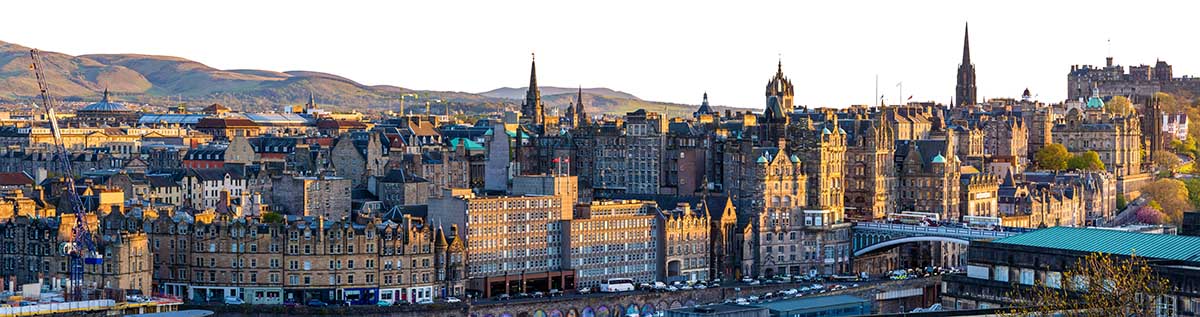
(870, 168)
(327, 196)
(515, 242)
(685, 241)
(1117, 138)
(928, 177)
(615, 239)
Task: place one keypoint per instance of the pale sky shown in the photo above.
(657, 50)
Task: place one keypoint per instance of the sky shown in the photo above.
(674, 51)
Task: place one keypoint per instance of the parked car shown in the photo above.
(522, 295)
(383, 303)
(686, 287)
(742, 301)
(755, 282)
(539, 294)
(747, 280)
(701, 286)
(425, 301)
(316, 303)
(555, 292)
(585, 290)
(672, 288)
(234, 300)
(503, 297)
(452, 300)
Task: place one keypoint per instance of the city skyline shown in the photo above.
(703, 48)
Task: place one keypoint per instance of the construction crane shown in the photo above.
(80, 249)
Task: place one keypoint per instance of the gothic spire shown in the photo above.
(532, 109)
(966, 45)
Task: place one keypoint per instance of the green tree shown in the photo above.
(1118, 105)
(1052, 157)
(1086, 161)
(1166, 159)
(1099, 284)
(1172, 195)
(1193, 188)
(1168, 103)
(271, 217)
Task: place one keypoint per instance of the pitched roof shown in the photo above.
(15, 179)
(1155, 246)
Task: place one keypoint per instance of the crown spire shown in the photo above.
(966, 44)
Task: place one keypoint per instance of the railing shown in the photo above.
(944, 231)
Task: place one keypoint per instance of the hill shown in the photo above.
(168, 80)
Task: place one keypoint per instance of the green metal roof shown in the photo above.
(471, 145)
(1155, 246)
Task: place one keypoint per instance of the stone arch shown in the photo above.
(588, 312)
(662, 305)
(632, 310)
(539, 313)
(572, 312)
(888, 244)
(689, 303)
(556, 313)
(506, 315)
(676, 304)
(648, 310)
(603, 311)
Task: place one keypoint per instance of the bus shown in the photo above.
(979, 222)
(915, 218)
(615, 285)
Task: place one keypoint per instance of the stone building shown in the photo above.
(1117, 138)
(870, 169)
(201, 188)
(106, 113)
(928, 175)
(1006, 136)
(358, 156)
(684, 237)
(400, 188)
(326, 196)
(979, 196)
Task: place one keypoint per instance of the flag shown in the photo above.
(554, 161)
(566, 160)
(910, 97)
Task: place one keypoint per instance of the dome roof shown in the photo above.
(106, 105)
(939, 159)
(1095, 102)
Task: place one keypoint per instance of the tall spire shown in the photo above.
(532, 110)
(312, 100)
(105, 98)
(533, 72)
(966, 60)
(964, 91)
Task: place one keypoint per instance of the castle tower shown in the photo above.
(964, 92)
(532, 110)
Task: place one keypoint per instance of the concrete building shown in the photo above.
(615, 239)
(326, 196)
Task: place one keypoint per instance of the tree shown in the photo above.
(1168, 103)
(1172, 195)
(1086, 161)
(1193, 187)
(1166, 159)
(1118, 105)
(271, 217)
(1149, 215)
(1052, 157)
(1099, 284)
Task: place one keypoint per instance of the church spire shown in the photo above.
(964, 91)
(532, 109)
(966, 59)
(105, 98)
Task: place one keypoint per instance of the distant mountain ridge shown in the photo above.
(519, 93)
(167, 80)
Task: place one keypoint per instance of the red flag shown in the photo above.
(566, 160)
(910, 97)
(555, 160)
